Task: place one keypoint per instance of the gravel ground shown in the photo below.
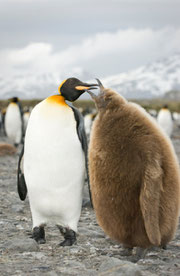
(94, 253)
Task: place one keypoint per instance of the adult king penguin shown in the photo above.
(164, 119)
(13, 121)
(134, 175)
(55, 151)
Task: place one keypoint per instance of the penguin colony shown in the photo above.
(55, 151)
(164, 119)
(3, 113)
(134, 174)
(13, 122)
(88, 120)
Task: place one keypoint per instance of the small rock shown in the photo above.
(52, 273)
(21, 245)
(75, 264)
(74, 250)
(17, 208)
(92, 250)
(86, 203)
(112, 266)
(36, 255)
(77, 268)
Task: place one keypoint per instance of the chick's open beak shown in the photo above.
(91, 94)
(87, 87)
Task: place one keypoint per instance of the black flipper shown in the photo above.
(22, 121)
(82, 137)
(21, 184)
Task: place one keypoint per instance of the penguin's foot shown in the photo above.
(39, 234)
(69, 235)
(140, 254)
(127, 251)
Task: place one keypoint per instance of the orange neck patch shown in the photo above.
(57, 99)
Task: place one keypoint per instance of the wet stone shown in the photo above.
(21, 245)
(17, 208)
(86, 202)
(113, 266)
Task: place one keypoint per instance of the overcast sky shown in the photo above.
(100, 37)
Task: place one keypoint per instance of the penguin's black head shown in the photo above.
(72, 88)
(14, 100)
(165, 106)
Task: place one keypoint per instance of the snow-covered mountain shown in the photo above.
(35, 85)
(149, 81)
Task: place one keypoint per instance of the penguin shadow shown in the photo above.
(137, 254)
(143, 255)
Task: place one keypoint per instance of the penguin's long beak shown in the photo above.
(86, 86)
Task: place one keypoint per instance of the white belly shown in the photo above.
(13, 123)
(54, 166)
(165, 121)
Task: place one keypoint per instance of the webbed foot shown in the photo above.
(39, 234)
(140, 254)
(69, 236)
(127, 251)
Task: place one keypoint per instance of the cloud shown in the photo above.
(105, 53)
(123, 42)
(31, 53)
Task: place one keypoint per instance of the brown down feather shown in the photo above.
(134, 174)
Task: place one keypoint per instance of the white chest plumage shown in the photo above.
(54, 164)
(13, 123)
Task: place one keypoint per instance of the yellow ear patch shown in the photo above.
(81, 87)
(59, 88)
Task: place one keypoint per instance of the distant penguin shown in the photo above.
(164, 119)
(26, 116)
(176, 117)
(152, 112)
(55, 150)
(134, 174)
(13, 121)
(3, 113)
(88, 123)
(88, 120)
(0, 120)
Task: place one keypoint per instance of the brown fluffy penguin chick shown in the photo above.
(134, 174)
